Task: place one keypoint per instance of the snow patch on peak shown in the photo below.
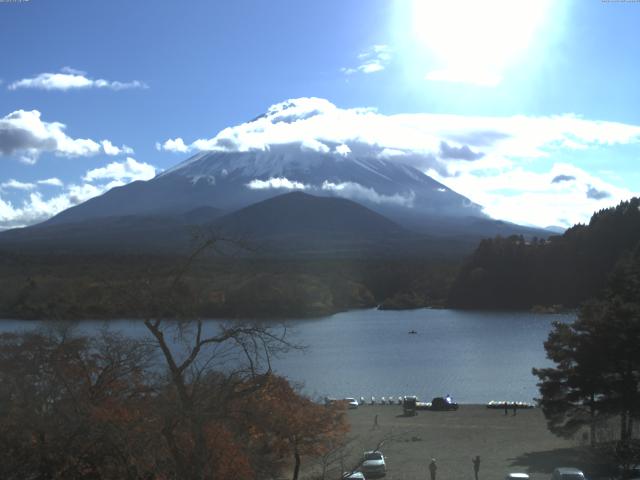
(210, 179)
(296, 109)
(343, 150)
(314, 146)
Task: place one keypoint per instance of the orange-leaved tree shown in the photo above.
(290, 425)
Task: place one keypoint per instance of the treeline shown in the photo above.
(118, 286)
(513, 273)
(594, 386)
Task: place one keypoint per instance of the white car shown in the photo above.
(567, 473)
(351, 402)
(353, 476)
(517, 476)
(373, 464)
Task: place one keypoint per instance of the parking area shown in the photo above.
(505, 443)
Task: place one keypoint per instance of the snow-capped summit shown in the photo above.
(239, 178)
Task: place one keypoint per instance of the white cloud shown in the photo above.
(52, 182)
(69, 79)
(276, 183)
(484, 156)
(350, 190)
(24, 134)
(173, 145)
(126, 171)
(110, 149)
(355, 191)
(36, 208)
(371, 67)
(523, 196)
(15, 184)
(372, 60)
(316, 123)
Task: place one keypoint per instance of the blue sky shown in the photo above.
(138, 74)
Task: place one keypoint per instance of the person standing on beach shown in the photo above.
(515, 409)
(506, 408)
(433, 468)
(476, 465)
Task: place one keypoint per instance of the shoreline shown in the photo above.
(291, 317)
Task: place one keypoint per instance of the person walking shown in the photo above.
(506, 408)
(433, 468)
(476, 465)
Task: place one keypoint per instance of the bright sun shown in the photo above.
(473, 41)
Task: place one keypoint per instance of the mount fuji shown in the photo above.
(288, 149)
(233, 180)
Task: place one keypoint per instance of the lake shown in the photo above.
(473, 356)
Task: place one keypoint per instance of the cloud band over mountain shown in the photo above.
(488, 159)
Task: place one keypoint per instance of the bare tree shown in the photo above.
(194, 350)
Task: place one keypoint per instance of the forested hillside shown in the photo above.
(563, 270)
(120, 286)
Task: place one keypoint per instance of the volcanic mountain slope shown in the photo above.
(148, 233)
(291, 223)
(233, 180)
(300, 222)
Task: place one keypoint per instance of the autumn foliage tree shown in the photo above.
(100, 408)
(292, 426)
(73, 407)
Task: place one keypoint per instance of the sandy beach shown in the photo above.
(505, 443)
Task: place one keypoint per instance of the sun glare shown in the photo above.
(474, 41)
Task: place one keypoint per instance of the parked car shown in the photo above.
(517, 476)
(373, 464)
(442, 404)
(409, 405)
(351, 402)
(567, 473)
(353, 476)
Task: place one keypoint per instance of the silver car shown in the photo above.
(353, 476)
(351, 402)
(567, 473)
(373, 464)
